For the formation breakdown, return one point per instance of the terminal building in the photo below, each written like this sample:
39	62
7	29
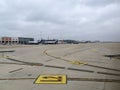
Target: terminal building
15	40
6	40
23	40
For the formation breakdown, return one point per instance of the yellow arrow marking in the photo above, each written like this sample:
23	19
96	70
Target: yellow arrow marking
51	79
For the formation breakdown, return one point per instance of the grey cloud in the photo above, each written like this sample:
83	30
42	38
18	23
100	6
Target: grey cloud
74	19
99	3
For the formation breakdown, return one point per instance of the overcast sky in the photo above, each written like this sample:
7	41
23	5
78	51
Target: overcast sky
61	19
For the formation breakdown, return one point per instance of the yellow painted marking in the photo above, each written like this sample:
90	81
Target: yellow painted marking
72	62
51	79
94	50
78	62
4	57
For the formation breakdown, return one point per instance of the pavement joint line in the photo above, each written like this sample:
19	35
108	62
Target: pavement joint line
55	66
102	67
12	63
16	70
117	56
5	51
83	70
27	63
80	63
108	73
74	69
93	79
40	64
70	79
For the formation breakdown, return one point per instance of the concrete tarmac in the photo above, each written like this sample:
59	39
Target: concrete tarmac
86	65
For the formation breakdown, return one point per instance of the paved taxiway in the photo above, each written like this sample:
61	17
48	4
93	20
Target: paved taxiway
85	65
